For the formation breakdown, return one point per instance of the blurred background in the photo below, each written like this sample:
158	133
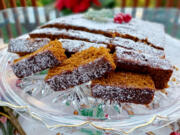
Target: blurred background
21	16
106	3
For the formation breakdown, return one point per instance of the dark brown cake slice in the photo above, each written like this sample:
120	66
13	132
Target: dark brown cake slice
48	56
136	29
80	68
25	44
124	87
159	69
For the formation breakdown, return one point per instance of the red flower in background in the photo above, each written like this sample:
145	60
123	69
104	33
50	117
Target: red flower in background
60	4
175	133
76	5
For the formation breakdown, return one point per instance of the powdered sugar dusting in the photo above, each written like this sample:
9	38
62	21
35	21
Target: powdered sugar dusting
25	44
137	46
73	46
96	38
71	34
142	59
24	36
137	28
81	74
122	94
33	64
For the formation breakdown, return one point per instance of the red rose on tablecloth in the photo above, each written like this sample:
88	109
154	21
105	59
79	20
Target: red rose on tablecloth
76	5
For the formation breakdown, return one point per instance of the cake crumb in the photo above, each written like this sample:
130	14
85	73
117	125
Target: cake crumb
130	112
164	91
76	112
167	86
148	106
162	57
150	133
176	68
174	79
84	106
139	51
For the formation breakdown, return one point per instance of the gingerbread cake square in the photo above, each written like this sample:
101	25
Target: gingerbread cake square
48	56
124	87
159	69
80	68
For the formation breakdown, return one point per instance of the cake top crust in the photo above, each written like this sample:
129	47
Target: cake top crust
78	34
126	80
141	59
26	44
137	46
143	30
99	39
82	58
55	47
78	45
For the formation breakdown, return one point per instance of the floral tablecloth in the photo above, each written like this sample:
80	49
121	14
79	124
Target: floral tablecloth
33	127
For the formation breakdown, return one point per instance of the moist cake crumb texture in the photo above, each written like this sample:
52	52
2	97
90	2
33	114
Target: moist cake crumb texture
81	67
159	69
48	56
124	87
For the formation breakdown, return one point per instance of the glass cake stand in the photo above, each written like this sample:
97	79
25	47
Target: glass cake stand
74	109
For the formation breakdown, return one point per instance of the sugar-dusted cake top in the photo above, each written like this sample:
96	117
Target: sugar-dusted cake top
55	47
137	46
76	36
142	30
142	59
48	56
73	46
70	34
124	87
126	80
25	44
82	58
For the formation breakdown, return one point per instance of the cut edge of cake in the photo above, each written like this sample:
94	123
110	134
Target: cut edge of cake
80	68
48	56
124	87
159	69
